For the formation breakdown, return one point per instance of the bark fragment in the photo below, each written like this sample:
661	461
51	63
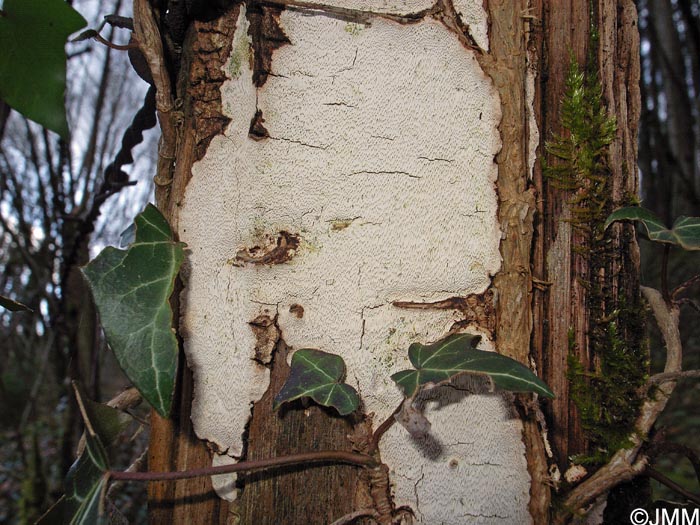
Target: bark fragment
282	251
266	336
257	128
267	35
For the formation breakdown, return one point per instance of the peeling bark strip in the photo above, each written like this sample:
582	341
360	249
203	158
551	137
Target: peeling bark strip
211	48
561	308
266	334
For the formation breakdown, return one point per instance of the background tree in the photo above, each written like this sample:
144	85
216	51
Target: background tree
669	166
52	193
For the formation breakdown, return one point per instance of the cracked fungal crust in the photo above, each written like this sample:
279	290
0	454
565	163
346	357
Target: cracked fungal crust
389	205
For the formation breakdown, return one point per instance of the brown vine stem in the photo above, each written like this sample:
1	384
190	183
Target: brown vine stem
675	487
381	429
336	456
147	34
684	286
628	463
112	45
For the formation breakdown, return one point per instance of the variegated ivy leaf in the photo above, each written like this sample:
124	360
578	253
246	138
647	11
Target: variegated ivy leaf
132	291
454	355
684	233
319	375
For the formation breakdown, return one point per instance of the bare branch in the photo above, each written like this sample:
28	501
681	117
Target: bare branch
684	286
667	376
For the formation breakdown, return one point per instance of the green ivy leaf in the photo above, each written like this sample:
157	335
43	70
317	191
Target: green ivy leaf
132	289
85	485
319	375
33	34
684	233
103	421
687	231
87	479
13	306
454	355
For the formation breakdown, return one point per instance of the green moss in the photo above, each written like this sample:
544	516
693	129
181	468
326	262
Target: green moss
607	398
581	150
606	391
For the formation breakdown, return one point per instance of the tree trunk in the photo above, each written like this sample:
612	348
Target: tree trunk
354	177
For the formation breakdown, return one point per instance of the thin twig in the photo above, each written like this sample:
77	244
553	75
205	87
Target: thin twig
38	381
658	476
668	447
684	286
134	467
335	456
693	304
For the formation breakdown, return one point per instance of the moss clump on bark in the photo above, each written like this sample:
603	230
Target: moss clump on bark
604	390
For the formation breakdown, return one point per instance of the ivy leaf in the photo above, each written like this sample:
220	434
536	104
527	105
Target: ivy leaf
319	375
454	355
33	61
94	446
101	420
85	486
687	231
132	289
684	233
13	306
86	481
107	422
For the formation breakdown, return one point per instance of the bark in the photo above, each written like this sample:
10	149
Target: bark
560	304
563	305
